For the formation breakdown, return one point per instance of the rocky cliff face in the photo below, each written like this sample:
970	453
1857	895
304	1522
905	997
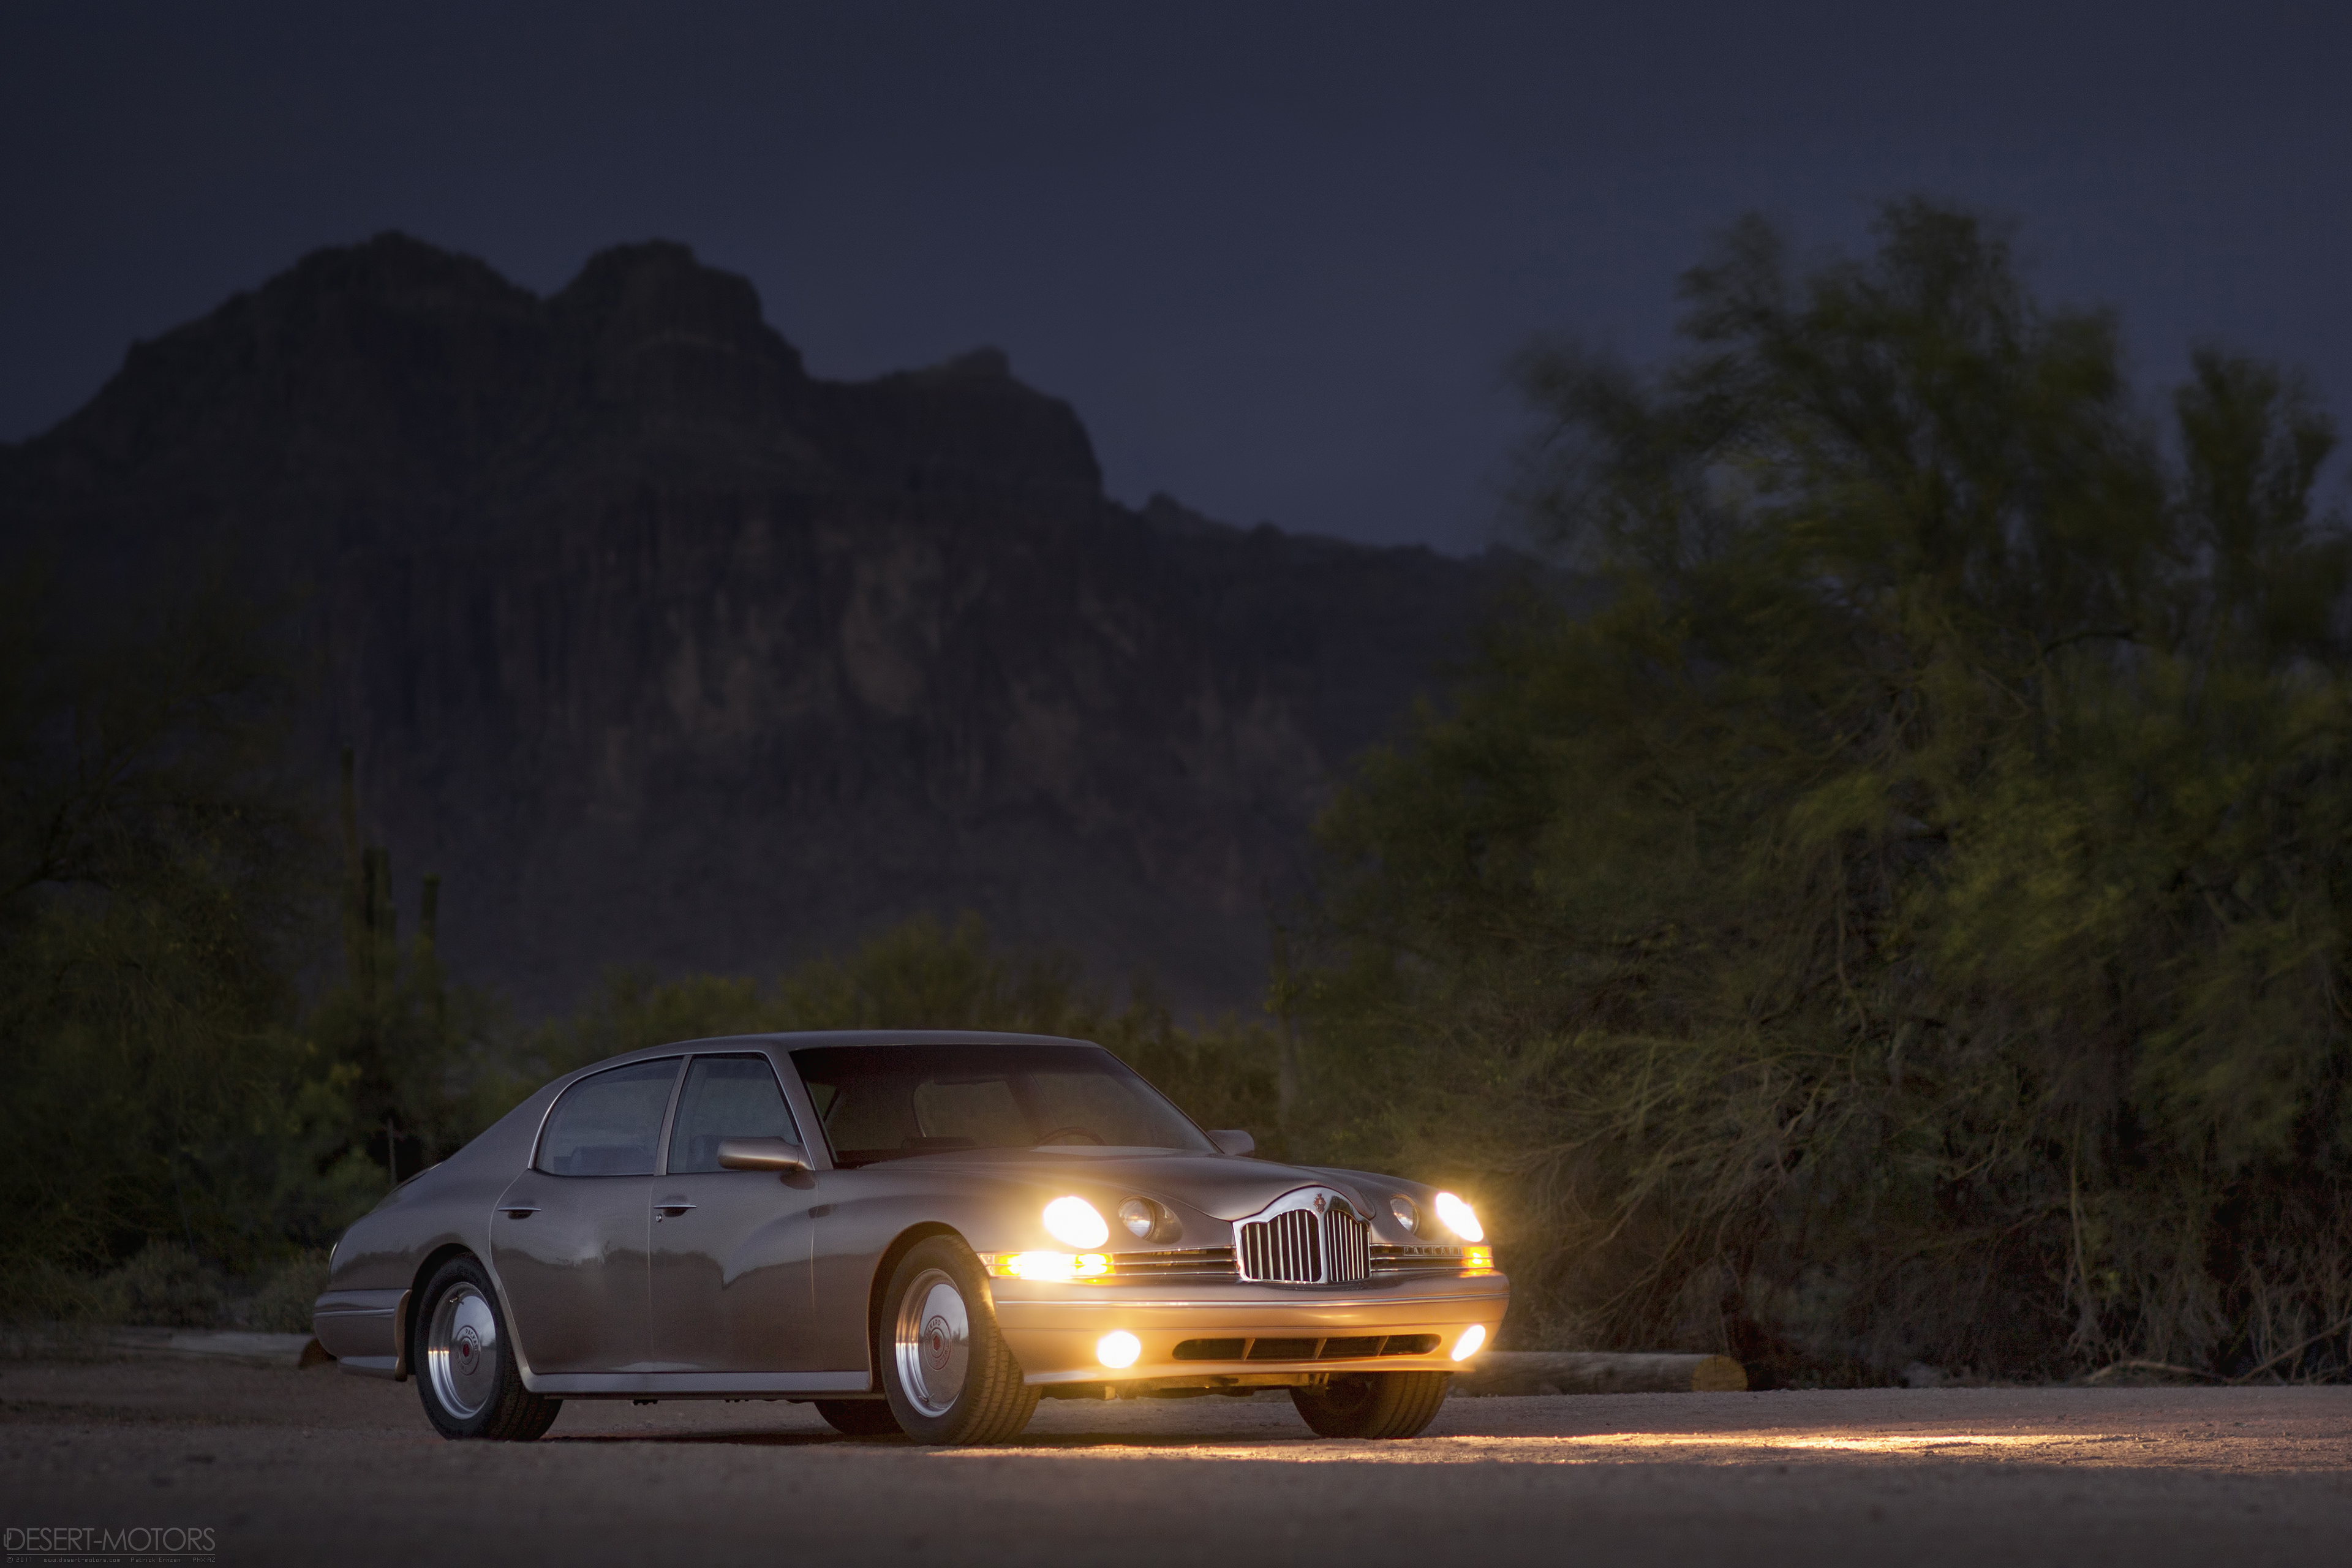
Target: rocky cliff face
664	652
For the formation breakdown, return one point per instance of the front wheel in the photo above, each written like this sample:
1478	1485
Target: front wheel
1372	1404
948	1374
465	1369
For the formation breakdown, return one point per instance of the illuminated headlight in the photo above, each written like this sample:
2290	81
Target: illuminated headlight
1048	1265
1406	1214
1459	1217
1117	1349
1073	1222
1467	1345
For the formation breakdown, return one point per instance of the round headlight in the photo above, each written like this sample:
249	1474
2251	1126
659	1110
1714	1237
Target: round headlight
1117	1349
1139	1217
1073	1222
1406	1215
1459	1217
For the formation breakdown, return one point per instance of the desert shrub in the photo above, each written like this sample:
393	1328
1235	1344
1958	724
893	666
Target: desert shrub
1908	922
163	1285
282	1299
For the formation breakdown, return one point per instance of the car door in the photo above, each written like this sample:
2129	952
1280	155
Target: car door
730	1249
568	1236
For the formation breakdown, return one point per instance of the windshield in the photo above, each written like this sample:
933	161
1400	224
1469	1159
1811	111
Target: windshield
885	1102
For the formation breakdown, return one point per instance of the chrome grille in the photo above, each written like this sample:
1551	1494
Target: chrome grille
1284	1248
1388	1259
1300	1247
1173	1264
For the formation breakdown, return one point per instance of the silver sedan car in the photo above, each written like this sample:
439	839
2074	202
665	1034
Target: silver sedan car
919	1232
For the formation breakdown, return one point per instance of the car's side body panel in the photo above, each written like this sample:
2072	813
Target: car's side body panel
730	1289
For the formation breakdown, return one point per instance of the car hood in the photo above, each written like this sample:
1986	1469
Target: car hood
1223	1187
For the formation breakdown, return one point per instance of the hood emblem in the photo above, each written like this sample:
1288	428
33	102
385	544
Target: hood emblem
1321	1202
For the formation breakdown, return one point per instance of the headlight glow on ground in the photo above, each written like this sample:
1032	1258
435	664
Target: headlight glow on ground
1467	1345
1459	1217
1074	1222
1117	1349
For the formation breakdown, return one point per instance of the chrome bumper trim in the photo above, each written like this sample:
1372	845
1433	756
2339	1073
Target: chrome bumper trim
1125	1301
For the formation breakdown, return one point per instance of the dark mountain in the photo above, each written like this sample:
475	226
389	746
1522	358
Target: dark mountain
664	652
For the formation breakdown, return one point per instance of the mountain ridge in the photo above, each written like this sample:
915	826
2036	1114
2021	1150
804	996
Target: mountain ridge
664	652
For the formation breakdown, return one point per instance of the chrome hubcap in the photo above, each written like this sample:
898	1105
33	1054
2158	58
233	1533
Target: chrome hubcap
461	1352
933	1343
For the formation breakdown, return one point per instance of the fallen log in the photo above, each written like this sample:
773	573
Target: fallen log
1599	1371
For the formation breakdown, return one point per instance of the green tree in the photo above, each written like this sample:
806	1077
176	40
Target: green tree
154	904
1907	920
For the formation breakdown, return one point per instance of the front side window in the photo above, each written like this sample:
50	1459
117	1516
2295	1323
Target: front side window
726	1096
609	1123
886	1102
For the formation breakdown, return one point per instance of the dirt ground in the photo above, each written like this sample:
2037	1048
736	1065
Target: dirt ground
287	1466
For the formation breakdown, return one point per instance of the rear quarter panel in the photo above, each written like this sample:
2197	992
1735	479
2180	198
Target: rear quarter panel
380	1257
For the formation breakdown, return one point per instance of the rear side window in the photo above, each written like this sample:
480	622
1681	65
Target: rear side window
726	1096
609	1123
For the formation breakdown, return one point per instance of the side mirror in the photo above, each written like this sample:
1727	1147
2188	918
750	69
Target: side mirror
1233	1141
761	1154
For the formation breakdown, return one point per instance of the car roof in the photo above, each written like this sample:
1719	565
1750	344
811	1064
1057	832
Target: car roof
830	1037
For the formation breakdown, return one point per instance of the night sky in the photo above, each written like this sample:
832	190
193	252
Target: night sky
1276	256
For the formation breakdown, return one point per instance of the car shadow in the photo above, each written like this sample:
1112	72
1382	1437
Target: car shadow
756	1439
1041	1441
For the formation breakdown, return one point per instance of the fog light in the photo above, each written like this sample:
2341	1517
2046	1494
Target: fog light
1117	1349
1467	1345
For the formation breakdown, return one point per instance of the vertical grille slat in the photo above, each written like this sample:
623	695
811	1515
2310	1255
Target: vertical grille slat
1351	1253
1300	1247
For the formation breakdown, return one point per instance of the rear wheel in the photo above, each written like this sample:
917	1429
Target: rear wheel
859	1417
948	1374
465	1364
1373	1403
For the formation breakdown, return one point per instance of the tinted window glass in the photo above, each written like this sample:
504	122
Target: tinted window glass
883	1102
609	1124
726	1096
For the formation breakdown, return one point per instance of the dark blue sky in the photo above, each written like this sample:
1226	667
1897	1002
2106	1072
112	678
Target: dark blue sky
1275	255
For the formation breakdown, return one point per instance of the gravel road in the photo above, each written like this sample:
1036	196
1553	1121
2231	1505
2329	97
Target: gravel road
287	1466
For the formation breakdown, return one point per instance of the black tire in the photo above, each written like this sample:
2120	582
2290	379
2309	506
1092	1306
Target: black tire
1373	1403
949	1383
859	1417
463	1358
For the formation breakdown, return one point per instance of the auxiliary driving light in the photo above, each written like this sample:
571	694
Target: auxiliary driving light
1463	1348
1074	1222
1117	1349
1459	1217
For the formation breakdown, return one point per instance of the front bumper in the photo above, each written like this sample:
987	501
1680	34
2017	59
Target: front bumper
1052	1329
